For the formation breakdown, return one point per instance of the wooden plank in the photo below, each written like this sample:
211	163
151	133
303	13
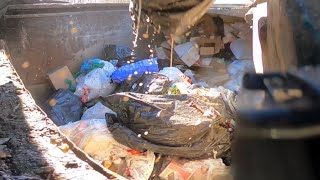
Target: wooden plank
281	46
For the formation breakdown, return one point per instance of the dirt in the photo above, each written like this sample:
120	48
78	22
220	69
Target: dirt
29	140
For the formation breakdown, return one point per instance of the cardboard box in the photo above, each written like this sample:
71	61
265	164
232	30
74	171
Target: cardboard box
209	47
175	171
207	51
59	76
188	53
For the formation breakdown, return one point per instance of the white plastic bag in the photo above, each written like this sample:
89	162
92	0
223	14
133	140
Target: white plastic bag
96	83
242	49
236	71
94	138
97	111
239	67
173	73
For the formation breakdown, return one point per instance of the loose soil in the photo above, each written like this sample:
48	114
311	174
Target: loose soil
29	141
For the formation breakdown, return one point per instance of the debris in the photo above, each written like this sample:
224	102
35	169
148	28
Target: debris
55	139
188	52
207	51
93	137
229	35
67	107
60	77
97	111
96	83
140	166
175	171
45	170
161	54
107	163
165	44
208	26
156	84
71	165
136	69
91	64
242	49
4	140
180	88
207	169
236	71
190	74
64	147
219	65
195	39
248	17
242	30
170	122
239	67
204	63
213	77
118	52
173	73
215	43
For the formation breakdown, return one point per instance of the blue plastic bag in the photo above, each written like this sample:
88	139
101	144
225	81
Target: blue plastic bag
89	65
136	69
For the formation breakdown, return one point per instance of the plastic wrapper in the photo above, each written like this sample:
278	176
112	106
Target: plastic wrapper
173	73
207	169
140	166
97	111
89	65
93	137
148	84
236	70
242	49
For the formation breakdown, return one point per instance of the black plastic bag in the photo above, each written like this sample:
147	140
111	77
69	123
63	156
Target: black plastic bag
156	84
63	107
170	125
117	52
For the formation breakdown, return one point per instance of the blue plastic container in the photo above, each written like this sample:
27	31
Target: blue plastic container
136	69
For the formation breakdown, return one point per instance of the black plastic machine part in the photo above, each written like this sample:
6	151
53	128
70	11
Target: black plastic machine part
278	140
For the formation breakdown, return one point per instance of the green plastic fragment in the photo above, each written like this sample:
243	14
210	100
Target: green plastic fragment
71	86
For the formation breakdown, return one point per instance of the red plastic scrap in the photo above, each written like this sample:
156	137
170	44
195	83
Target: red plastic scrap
133	152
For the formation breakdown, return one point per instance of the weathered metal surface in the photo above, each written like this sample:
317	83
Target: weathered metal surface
40	42
293	34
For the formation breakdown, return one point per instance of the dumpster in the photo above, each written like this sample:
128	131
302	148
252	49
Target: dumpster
44	35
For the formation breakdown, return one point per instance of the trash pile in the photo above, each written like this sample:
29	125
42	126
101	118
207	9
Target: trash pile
209	50
142	121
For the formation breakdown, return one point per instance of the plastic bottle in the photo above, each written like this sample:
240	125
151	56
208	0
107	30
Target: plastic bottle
136	69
